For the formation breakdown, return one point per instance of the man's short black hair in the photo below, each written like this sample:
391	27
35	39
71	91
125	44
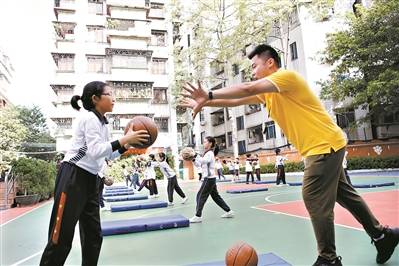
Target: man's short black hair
267	50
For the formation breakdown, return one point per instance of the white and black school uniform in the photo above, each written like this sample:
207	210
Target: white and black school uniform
76	196
237	169
149	179
280	169
257	169
219	169
208	187
173	185
248	170
199	171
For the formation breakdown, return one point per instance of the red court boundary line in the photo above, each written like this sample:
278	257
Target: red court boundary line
11	214
384	208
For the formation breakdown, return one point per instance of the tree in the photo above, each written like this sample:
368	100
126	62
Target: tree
38	139
12	133
366	60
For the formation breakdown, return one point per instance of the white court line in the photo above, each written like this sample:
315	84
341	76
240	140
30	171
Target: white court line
304	217
1	225
26	259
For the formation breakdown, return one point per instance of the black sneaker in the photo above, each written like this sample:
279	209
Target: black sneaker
325	262
386	246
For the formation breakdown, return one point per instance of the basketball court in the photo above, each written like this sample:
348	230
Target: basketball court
273	221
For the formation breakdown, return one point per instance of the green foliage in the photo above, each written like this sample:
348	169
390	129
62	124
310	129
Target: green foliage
373	162
35	176
12	133
365	58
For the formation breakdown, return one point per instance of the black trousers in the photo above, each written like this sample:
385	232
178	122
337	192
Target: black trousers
100	192
151	185
199	176
209	187
280	174
257	172
75	199
252	177
174	186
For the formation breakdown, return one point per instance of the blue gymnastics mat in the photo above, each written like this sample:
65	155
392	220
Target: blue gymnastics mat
125	198
268	259
387	184
143	224
115	187
139	206
117	193
266	182
246	190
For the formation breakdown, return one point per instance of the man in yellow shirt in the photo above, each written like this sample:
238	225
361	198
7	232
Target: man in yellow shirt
300	114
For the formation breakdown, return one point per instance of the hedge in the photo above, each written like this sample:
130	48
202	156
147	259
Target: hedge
353	164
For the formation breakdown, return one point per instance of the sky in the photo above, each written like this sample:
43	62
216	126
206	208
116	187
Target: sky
26	36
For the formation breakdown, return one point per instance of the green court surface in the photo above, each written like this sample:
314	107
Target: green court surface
286	235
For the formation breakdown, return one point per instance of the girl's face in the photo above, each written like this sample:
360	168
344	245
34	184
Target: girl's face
106	102
207	144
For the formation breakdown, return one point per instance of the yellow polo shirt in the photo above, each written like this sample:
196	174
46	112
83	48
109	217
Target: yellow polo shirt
301	116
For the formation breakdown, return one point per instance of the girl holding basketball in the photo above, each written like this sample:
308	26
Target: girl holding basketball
208	187
76	189
173	185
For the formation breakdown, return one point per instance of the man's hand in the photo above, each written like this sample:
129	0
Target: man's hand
197	97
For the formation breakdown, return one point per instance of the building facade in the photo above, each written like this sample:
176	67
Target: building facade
125	44
6	76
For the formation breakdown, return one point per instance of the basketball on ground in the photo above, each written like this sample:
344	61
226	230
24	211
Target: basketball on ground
241	254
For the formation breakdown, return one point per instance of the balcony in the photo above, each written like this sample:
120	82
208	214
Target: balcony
65	15
119	121
255	135
64	125
217	117
64	4
157	11
65	31
127	12
252	108
127	3
64	62
128	91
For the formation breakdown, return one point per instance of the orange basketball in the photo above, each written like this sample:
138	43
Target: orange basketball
241	254
143	123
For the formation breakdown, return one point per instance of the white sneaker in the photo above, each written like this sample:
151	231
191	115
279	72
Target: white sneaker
184	200
195	219
170	204
151	196
229	214
156	196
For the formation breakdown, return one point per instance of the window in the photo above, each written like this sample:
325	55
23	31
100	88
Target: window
217	117
158	38
228	113
270	130
160	95
294	52
236	69
188	40
252	108
162	124
95	34
345	119
120	24
221	141
95	63
255	135
159	65
230	139
241	147
202	116
95	7
129	61
202	137
157	10
64	62
240	123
